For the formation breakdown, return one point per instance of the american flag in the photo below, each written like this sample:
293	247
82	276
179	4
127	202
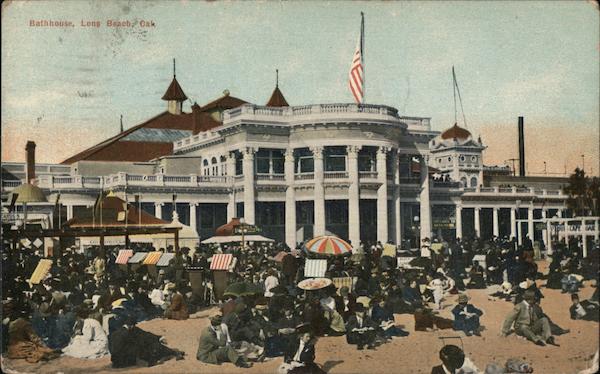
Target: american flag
357	76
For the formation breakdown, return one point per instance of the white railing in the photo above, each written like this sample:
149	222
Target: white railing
272	177
304	176
335	175
368	174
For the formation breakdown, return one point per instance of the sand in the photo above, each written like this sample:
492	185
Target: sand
416	353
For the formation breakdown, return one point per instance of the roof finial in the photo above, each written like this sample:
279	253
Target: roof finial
174	75
121	123
276	78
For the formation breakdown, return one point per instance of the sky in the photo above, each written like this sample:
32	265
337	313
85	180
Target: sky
65	88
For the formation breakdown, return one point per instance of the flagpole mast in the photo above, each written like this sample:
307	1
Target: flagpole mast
362	53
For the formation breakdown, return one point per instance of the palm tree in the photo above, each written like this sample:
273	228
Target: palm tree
584	193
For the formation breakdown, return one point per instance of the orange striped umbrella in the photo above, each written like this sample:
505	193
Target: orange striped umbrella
328	245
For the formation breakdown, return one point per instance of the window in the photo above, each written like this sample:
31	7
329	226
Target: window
462	158
439	160
304	161
473	158
463	181
449	159
473	181
238	164
367	160
269	161
335	159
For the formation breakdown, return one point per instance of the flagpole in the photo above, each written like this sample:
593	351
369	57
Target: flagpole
362	54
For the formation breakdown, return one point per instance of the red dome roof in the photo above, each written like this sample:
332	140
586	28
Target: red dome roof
456	132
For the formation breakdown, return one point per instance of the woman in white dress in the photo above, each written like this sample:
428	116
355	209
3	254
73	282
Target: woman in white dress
88	342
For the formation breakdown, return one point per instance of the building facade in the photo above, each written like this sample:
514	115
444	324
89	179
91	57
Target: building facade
362	172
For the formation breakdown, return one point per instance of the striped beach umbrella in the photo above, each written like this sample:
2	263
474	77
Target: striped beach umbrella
328	245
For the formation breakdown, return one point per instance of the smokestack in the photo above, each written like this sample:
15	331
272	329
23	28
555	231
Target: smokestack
521	148
30	166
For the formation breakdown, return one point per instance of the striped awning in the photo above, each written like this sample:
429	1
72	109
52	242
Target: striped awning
152	258
41	270
315	268
340	282
124	255
164	259
221	261
138	257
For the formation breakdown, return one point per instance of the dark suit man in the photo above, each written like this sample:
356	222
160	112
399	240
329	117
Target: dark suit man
213	347
452	358
360	329
301	356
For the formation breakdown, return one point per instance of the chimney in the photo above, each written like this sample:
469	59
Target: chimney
30	166
521	148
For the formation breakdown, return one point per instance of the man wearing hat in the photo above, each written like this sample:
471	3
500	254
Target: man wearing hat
528	323
213	347
466	316
360	329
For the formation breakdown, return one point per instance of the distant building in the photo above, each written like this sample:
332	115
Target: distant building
365	173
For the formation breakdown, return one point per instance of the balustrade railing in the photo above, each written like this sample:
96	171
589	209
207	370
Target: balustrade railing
273	177
335	174
304	176
368	174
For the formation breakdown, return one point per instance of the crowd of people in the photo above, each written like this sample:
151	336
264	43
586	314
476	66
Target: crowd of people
88	306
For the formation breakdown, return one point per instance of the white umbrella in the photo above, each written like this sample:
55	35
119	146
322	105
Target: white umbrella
236	238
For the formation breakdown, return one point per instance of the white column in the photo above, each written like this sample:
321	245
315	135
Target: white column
596	229
230	171
69	211
193	223
249	199
382	195
495	222
583	240
459	232
290	200
513	222
425	205
559	213
319	192
397	206
476	212
231	205
530	223
158	210
353	196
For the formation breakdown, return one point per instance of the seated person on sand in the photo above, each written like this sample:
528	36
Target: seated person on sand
360	329
300	356
177	309
336	322
284	336
384	318
466	316
583	310
89	340
214	346
23	343
131	346
527	323
454	362
476	276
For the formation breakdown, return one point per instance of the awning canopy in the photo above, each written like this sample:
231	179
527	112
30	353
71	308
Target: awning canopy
236	239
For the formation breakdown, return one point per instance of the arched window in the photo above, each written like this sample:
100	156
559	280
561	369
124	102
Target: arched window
473	181
205	162
463	181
